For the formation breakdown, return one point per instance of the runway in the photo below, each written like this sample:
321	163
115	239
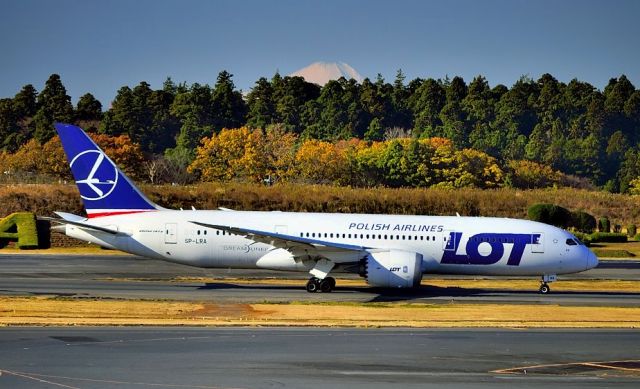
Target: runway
316	358
180	357
87	276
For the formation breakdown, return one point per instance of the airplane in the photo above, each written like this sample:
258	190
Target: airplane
389	251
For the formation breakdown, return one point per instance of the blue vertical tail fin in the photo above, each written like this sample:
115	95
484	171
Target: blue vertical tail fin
105	189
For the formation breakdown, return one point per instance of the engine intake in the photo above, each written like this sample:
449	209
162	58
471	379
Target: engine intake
393	269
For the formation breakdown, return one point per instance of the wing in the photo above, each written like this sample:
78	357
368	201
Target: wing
298	246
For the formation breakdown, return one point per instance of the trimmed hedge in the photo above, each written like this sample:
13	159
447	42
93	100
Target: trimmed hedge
585	238
604	225
20	227
608	237
550	214
583	221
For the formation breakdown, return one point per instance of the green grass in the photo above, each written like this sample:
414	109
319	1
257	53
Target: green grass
629	249
605	253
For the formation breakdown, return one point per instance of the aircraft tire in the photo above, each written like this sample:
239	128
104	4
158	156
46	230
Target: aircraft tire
544	289
313	285
326	285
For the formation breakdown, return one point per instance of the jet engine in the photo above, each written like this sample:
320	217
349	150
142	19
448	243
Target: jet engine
393	269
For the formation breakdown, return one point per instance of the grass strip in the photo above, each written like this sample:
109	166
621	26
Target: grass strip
39	311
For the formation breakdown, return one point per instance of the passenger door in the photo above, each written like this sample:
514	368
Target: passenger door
537	242
171	233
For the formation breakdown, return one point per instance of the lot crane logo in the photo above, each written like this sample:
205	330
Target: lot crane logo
101	174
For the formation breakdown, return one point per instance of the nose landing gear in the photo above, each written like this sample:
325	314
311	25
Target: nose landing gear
544	283
544	288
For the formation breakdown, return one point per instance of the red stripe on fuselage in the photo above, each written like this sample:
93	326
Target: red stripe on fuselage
113	213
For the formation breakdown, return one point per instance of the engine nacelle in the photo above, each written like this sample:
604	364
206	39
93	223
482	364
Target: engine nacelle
393	269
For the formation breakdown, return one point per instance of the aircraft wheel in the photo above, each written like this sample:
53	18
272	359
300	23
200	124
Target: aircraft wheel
326	285
332	281
544	289
313	285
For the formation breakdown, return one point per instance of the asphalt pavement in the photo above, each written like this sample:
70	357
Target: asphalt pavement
316	358
117	277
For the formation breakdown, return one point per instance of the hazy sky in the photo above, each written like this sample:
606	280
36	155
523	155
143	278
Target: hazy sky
99	46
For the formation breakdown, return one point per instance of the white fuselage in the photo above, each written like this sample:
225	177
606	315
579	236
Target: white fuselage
454	245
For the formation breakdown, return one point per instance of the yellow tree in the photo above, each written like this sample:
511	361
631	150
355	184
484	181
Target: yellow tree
279	153
365	158
442	161
231	154
477	169
55	160
28	158
529	174
319	161
217	155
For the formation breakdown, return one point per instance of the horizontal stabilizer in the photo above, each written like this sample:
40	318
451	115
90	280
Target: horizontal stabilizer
70	216
81	225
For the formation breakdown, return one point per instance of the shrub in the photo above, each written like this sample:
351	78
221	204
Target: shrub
631	230
604	225
585	238
617	228
583	221
550	214
608	237
20	227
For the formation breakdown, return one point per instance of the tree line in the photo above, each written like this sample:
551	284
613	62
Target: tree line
572	128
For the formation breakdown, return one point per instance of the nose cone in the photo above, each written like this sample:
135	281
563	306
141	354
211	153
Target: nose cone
592	260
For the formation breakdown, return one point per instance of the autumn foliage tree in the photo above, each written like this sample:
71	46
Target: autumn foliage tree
255	155
49	159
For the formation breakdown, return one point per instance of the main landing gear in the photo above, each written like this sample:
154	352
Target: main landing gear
317	285
544	283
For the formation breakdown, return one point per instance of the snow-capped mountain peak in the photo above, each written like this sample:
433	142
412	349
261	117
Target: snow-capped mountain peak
322	72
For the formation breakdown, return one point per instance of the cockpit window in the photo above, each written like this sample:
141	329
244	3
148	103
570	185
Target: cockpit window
571	242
